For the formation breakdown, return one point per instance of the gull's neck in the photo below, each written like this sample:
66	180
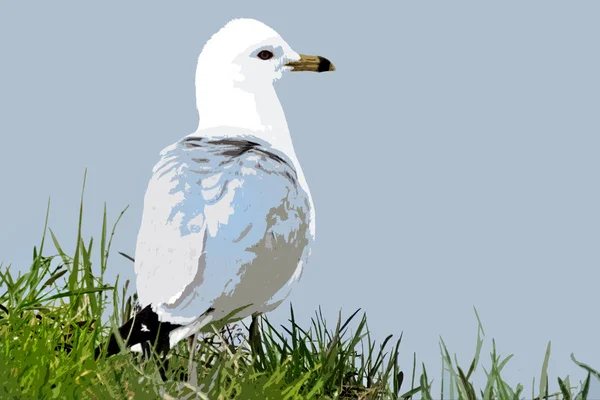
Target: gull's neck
232	107
253	109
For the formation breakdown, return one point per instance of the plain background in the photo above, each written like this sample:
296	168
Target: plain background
452	157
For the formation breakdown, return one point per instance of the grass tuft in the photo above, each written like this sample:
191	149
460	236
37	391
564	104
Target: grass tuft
51	320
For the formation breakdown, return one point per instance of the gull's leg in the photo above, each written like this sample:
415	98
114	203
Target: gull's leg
162	350
255	337
192	372
146	350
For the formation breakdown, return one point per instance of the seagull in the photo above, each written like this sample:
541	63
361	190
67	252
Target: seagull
228	219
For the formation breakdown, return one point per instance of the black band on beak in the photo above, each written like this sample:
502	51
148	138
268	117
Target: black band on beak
324	64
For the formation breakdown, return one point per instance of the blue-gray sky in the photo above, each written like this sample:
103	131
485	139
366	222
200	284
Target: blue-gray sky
452	157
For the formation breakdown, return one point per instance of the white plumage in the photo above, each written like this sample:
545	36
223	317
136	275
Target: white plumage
228	218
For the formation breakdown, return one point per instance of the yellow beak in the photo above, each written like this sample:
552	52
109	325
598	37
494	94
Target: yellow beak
311	63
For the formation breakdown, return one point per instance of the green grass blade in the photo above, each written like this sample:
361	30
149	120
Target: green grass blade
589	369
544	375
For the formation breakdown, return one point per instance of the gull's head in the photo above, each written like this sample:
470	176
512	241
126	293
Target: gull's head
235	75
247	53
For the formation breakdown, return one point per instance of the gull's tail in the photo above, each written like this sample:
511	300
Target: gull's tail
144	329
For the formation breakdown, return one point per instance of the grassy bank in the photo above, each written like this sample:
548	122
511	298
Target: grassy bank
51	320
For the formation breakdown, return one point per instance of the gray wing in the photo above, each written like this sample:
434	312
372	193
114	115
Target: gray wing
221	216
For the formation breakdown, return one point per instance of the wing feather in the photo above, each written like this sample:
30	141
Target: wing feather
214	207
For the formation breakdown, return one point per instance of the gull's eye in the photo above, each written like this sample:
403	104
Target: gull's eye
265	55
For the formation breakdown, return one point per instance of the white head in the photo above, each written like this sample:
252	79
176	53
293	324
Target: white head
236	71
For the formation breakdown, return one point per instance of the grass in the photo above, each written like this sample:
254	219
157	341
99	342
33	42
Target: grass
51	320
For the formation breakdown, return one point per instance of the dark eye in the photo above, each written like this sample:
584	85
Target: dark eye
265	55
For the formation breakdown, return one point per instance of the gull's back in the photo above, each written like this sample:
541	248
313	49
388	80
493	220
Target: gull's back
225	225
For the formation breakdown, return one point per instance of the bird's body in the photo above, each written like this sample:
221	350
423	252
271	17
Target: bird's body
226	225
228	219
